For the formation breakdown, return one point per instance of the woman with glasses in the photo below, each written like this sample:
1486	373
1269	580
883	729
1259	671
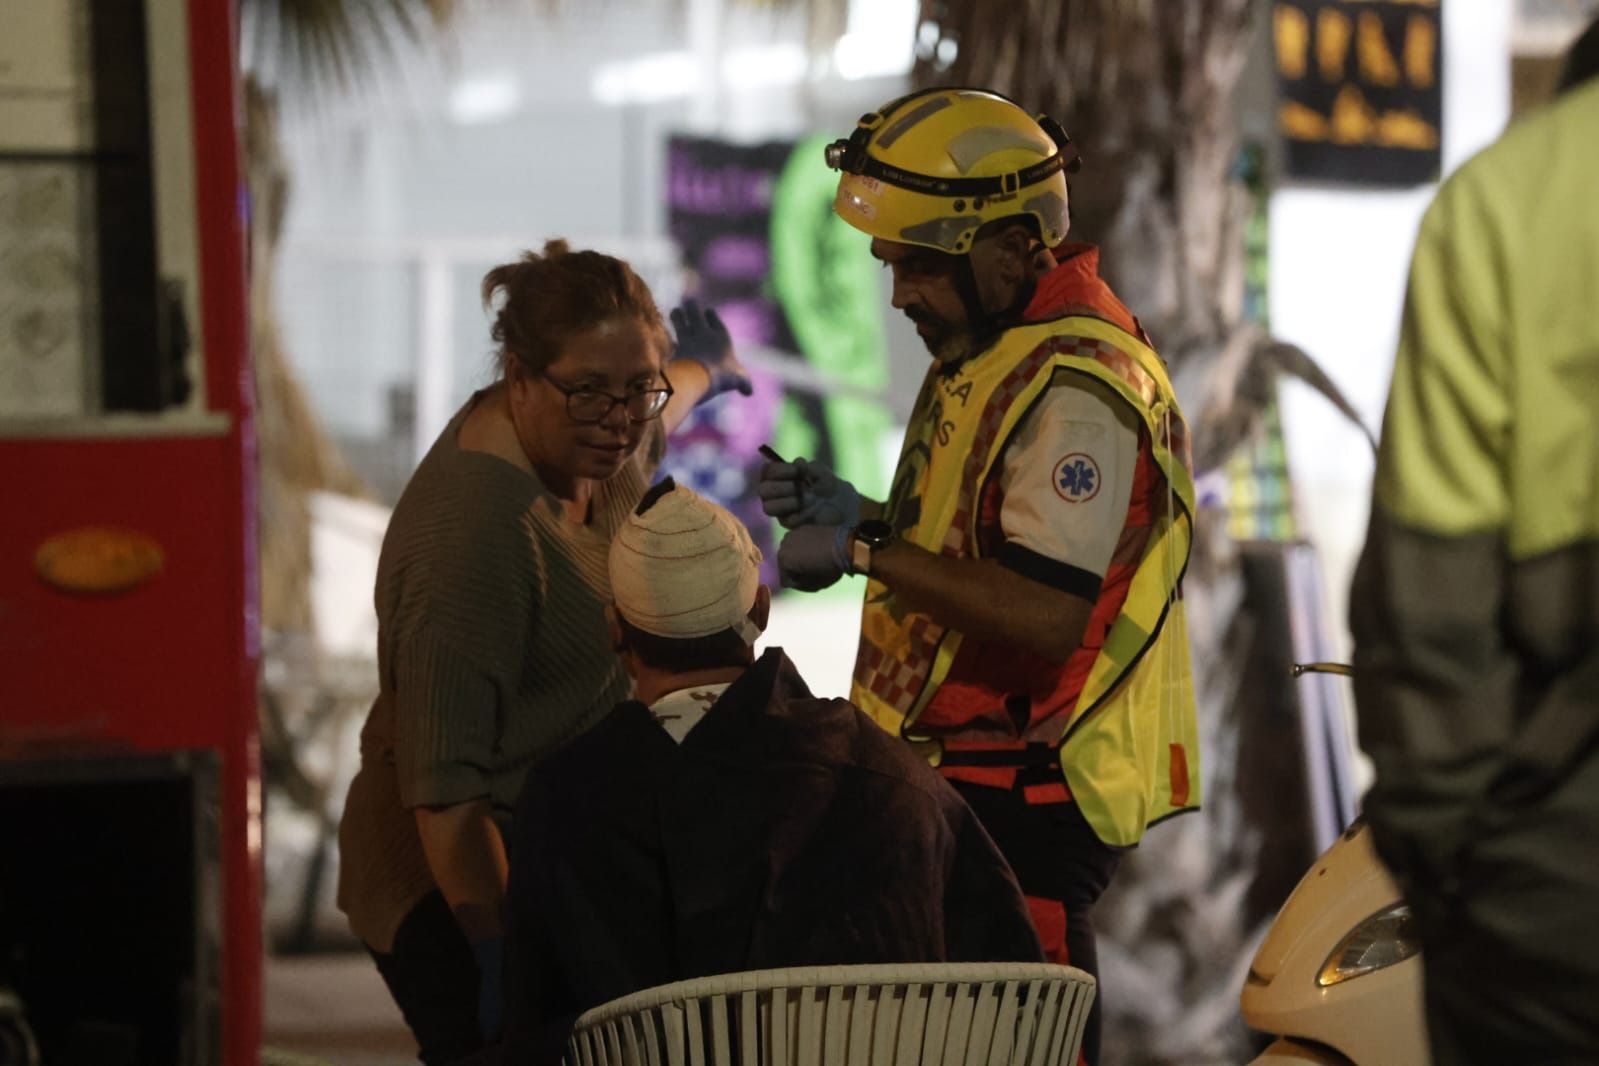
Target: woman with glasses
491	589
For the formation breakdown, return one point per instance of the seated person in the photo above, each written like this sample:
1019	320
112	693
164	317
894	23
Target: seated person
727	820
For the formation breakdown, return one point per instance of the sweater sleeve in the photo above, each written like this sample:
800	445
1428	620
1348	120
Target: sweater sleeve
461	641
446	710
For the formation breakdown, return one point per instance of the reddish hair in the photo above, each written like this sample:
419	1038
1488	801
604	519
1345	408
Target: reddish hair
546	299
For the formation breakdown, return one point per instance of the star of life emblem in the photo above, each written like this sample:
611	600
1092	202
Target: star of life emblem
1076	478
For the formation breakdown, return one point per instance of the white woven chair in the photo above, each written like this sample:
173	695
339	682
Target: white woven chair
918	1014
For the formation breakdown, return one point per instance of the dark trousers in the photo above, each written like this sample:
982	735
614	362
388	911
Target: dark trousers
1063	868
1512	959
433	977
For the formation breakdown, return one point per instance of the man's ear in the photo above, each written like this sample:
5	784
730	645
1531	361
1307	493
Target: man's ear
1017	243
1004	257
761	609
614	628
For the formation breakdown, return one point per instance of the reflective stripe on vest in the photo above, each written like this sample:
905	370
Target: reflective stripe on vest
1130	750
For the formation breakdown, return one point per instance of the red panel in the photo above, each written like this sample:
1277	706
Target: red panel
156	667
223	218
171	664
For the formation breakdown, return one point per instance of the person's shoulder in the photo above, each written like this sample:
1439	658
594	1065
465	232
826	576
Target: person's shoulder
594	758
485	429
1083	393
1528	156
627	727
1074	398
1564	123
876	749
462	500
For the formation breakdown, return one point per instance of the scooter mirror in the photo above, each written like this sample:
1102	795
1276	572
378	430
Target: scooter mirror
1341	669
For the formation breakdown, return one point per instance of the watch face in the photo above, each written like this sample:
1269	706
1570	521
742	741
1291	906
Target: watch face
874	532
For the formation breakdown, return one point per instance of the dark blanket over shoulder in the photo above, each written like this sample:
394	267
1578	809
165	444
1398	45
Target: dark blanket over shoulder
786	830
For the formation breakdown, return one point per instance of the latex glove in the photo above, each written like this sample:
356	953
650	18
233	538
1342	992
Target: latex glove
703	339
813	557
807	494
490	955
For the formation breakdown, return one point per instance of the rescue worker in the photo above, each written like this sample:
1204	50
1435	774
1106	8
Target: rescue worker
1023	623
1475	607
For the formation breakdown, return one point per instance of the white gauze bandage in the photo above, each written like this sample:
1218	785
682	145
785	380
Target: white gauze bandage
684	567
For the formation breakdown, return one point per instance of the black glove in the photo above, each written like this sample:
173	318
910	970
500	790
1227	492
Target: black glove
701	338
803	494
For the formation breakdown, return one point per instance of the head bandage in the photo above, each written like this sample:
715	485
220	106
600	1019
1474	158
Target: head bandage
683	567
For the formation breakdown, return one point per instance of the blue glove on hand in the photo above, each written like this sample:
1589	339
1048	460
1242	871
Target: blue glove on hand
703	339
807	494
813	557
490	955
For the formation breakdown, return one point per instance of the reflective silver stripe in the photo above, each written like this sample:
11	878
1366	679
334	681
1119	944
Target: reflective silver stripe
915	115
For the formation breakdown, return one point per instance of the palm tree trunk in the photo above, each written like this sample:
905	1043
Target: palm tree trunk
297	456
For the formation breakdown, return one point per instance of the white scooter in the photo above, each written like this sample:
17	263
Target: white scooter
1338	977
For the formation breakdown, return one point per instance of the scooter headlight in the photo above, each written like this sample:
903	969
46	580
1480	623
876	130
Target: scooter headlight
1386	938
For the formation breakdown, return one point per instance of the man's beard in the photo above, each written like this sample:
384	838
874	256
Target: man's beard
951	349
949	344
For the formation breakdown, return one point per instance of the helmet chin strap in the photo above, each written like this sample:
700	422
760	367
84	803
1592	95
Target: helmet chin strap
982	324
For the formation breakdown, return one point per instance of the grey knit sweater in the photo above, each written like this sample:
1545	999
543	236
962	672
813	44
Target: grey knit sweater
492	652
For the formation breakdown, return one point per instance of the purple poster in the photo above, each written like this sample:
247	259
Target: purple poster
719	199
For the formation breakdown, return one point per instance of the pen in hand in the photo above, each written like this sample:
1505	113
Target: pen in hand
771	453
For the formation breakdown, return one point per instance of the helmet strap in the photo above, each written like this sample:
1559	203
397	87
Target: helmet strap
983	324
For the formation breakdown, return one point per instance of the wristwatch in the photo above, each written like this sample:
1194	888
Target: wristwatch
864	539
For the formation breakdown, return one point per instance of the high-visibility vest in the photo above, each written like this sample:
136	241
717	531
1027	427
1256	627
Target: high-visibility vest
1129	750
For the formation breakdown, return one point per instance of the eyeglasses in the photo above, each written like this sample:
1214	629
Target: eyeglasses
587	405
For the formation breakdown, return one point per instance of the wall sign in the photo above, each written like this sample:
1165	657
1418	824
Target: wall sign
1361	97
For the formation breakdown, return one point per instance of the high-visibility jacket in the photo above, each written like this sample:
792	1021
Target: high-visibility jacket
1475	604
1126	741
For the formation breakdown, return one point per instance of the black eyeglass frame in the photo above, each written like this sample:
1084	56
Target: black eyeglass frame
571	391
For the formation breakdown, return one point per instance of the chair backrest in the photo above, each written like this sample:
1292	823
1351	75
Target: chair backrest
916	1014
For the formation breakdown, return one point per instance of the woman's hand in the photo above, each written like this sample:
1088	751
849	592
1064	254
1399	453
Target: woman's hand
704	340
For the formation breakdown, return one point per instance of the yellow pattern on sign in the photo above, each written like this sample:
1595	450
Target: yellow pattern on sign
1354	121
1340	36
1377	63
1302	123
1292	30
1332	44
1421	51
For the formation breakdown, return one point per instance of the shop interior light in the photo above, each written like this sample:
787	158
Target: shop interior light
879	41
763	65
486	98
645	79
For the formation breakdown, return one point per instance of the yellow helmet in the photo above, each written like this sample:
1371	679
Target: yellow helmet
932	167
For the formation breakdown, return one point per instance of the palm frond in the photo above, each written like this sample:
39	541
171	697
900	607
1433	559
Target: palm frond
312	47
1241	384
